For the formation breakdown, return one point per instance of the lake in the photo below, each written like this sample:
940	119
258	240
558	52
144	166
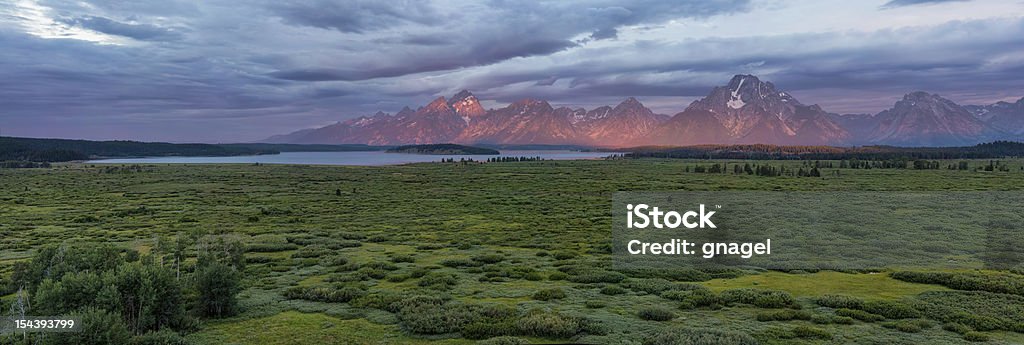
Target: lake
353	158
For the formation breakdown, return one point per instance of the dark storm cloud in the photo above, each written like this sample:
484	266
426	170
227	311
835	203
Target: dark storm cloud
143	32
604	33
356	16
429	61
900	3
222	70
547	81
416	40
163	8
478	35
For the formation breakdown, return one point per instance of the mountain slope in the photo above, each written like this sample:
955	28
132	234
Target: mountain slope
748	110
437	122
621	125
923	119
466	106
523	122
1004	116
858	125
693	127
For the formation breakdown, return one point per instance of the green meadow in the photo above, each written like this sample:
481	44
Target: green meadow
495	253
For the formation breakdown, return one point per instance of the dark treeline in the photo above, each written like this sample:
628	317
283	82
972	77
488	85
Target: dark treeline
462	160
814	168
514	159
922	164
443	149
22	165
756	169
63	150
997	149
268	147
122	169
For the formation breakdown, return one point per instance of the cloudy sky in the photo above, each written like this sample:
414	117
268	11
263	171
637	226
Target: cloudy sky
228	71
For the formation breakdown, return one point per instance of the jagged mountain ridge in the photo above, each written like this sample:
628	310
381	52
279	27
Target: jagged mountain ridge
749	111
522	122
525	121
745	111
927	119
1004	116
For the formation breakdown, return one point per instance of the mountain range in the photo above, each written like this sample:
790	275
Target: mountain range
745	111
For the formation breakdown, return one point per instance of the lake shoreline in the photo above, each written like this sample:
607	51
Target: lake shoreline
348	158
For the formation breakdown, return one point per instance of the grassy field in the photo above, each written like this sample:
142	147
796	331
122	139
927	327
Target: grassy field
522	245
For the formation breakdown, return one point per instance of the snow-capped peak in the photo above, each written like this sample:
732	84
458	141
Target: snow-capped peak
736	101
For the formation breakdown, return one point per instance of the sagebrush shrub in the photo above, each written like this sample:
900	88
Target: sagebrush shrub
698	336
549	294
656	314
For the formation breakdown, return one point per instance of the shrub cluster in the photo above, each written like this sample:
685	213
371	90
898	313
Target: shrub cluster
327	240
784	315
676	336
564	255
807	332
612	290
909	326
696	299
269	247
332	294
650	286
439	280
313	251
656	314
892	309
549	294
680	274
488	259
979	310
859	315
839	301
976	336
433	315
798	332
859	309
596	276
458	263
991	282
762	298
503	340
400	258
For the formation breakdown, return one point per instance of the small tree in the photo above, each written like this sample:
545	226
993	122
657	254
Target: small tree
98	327
227	249
218	284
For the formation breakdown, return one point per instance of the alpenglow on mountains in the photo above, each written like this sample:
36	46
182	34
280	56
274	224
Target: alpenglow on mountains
745	111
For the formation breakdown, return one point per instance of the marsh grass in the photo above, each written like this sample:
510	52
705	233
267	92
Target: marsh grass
440	254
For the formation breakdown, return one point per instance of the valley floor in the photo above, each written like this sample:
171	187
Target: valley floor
523	244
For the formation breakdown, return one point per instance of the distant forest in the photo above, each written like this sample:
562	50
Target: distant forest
443	149
997	149
63	150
